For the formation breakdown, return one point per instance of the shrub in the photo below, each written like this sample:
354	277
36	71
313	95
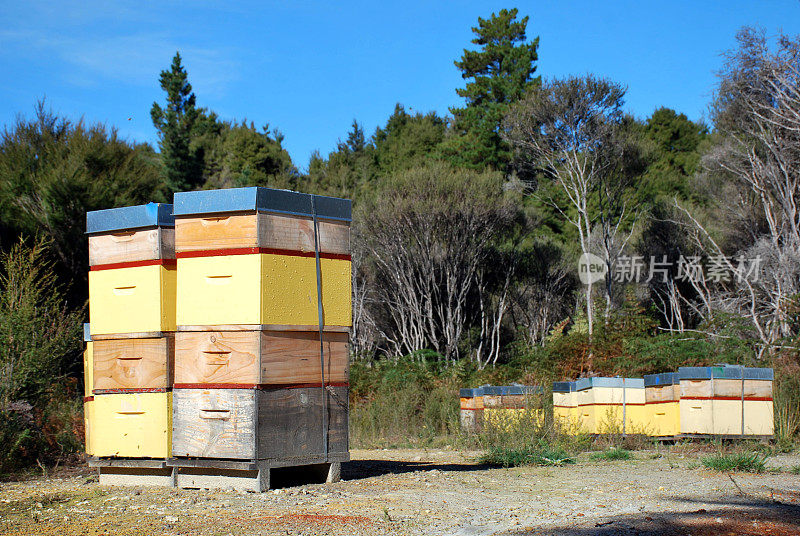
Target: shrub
750	462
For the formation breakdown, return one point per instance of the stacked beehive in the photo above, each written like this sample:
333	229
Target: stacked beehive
132	324
508	406
611	405
726	400
263	313
662	402
471	401
565	406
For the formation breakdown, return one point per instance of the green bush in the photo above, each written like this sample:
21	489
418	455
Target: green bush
748	462
39	343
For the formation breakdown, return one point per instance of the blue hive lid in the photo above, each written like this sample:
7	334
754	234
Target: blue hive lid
87	337
513	390
470	392
664	378
257	198
563	387
134	217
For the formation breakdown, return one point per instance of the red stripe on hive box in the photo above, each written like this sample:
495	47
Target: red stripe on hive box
734	398
263	386
252	251
88	398
609	404
167	263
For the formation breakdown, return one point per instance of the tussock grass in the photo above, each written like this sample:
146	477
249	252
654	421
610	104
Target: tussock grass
744	462
612	454
545	455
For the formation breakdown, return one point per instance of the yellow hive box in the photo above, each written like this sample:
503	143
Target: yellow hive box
512	418
262	289
139	299
88	370
88	422
565	406
612	405
137	425
662	395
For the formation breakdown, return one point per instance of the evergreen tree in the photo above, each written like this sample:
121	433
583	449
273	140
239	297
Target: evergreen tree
183	164
501	71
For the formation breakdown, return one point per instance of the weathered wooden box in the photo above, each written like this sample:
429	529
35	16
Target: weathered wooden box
136	234
263	358
662	398
133	364
132	277
471	409
247	257
256	424
135	425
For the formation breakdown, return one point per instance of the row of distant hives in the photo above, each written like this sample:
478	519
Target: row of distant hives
720	401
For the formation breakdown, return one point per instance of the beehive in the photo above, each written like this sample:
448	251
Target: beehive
726	400
132	270
565	406
511	406
247	257
662	397
471	401
263	314
612	405
132	319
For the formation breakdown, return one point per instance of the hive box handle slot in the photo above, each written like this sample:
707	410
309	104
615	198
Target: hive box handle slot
222	414
130	412
217	357
124	291
123	236
221	220
219	279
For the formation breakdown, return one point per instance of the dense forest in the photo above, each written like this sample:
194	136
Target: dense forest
468	227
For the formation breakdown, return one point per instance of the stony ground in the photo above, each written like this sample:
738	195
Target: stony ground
430	492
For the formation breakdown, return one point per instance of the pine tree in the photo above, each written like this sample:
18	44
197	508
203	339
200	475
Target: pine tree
176	124
501	71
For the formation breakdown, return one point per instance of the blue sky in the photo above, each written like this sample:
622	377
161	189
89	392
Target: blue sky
310	68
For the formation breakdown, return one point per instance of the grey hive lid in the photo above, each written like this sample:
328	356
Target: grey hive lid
664	378
133	217
563	387
726	372
259	199
470	392
628	383
512	390
87	337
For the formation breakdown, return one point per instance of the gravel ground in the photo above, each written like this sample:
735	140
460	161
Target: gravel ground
429	492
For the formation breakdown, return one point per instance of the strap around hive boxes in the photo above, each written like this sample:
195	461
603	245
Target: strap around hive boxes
321	325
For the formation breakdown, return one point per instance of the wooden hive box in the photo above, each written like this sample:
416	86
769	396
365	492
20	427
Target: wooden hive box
132	277
662	396
240	249
565	406
471	414
135	425
726	400
133	365
263	358
261	424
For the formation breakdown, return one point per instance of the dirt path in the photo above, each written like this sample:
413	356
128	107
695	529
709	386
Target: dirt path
429	492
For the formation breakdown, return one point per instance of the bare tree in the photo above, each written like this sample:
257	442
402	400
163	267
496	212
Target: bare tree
568	131
427	238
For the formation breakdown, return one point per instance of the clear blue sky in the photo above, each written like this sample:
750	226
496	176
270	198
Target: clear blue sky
309	68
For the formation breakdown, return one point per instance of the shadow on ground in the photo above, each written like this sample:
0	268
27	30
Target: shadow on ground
359	469
740	517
